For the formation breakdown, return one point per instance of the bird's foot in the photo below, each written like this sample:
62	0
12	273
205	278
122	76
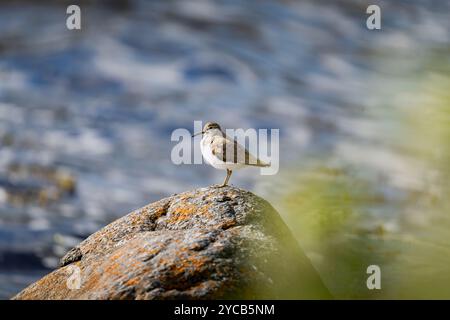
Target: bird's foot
219	185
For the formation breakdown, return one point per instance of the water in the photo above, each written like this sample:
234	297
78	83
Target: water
86	116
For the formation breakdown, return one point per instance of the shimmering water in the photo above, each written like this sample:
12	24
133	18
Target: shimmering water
86	116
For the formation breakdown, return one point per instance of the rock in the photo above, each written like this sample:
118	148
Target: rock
209	243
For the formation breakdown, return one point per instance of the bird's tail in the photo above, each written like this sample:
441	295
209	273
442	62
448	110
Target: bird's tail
260	163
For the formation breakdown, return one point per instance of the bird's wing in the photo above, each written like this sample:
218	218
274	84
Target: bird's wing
228	150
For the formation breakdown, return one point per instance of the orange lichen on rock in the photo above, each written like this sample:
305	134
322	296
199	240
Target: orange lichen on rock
202	244
182	213
132	282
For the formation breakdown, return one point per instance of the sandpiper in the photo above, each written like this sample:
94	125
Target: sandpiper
222	152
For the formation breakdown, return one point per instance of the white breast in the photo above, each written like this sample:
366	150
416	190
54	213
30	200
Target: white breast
210	158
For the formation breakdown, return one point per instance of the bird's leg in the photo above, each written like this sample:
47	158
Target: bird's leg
227	178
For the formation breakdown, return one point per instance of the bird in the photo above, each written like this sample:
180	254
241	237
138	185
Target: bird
222	152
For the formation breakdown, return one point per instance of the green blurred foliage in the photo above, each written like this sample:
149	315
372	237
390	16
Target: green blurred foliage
330	210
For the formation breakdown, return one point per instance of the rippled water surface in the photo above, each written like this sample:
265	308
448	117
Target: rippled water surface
86	116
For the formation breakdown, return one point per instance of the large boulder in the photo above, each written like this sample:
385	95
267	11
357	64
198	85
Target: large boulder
208	243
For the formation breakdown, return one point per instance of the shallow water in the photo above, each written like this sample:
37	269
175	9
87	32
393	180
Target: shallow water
86	116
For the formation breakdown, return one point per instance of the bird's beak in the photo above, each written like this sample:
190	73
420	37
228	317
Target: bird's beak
196	134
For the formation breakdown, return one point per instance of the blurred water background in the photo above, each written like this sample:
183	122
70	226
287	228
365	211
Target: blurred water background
86	118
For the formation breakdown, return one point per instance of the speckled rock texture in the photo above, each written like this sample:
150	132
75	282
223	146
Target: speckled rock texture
209	243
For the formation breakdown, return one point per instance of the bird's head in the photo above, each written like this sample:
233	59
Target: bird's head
209	126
